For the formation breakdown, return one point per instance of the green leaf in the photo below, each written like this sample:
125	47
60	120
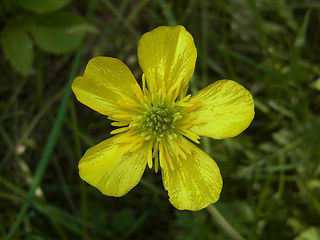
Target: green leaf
53	32
18	47
311	233
84	28
42	6
316	84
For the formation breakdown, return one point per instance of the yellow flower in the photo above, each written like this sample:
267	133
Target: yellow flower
157	119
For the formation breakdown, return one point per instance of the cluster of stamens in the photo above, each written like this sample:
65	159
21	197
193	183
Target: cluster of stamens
158	118
158	121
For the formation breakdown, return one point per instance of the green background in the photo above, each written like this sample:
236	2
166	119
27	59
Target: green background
271	171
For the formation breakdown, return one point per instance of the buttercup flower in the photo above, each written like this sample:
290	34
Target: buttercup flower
158	120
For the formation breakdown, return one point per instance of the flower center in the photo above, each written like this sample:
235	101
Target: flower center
159	120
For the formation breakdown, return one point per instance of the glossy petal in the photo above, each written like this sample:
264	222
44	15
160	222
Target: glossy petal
167	55
195	181
226	109
106	81
112	168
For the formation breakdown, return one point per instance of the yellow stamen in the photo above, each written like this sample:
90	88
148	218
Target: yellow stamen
185	125
182	101
121	117
155	99
191	135
128	105
162	89
168	157
184	90
183	147
137	91
131	137
156	162
143	83
119	124
119	130
149	156
128	99
155	149
175	147
163	163
136	146
184	104
181	152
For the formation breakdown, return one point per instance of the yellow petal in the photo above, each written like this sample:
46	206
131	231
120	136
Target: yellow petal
106	82
194	182
112	167
167	55
226	109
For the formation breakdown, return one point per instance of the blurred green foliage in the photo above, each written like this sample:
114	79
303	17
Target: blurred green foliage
271	171
53	32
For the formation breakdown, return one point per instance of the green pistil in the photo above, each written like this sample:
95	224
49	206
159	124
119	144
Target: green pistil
159	121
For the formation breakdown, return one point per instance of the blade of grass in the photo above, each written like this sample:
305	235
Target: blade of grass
46	107
155	189
292	6
70	222
53	136
122	11
168	14
299	43
40	206
189	10
54	213
137	223
10	146
119	15
52	140
137	8
282	175
204	41
225	49
219	218
83	199
251	62
226	226
259	22
85	138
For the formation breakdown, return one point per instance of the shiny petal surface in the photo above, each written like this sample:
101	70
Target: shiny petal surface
167	55
106	81
112	168
195	181
226	109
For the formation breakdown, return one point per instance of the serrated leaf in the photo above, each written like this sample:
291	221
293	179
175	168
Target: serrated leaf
18	47
51	32
42	6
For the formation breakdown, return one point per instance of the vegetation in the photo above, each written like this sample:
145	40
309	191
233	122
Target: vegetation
271	171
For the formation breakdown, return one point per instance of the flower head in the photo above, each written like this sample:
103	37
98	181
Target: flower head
157	121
